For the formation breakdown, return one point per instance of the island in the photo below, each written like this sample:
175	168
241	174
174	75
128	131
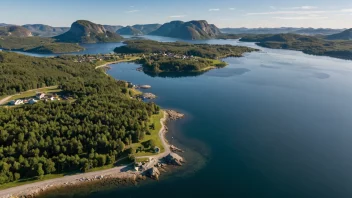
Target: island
82	122
313	45
161	57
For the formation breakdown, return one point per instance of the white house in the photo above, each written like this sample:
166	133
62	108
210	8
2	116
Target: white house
40	96
16	102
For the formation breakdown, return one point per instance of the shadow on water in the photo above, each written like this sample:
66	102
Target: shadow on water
174	74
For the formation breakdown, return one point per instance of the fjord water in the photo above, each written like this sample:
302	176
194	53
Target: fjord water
275	123
272	124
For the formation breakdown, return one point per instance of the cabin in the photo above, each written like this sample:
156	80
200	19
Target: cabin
32	101
40	96
16	102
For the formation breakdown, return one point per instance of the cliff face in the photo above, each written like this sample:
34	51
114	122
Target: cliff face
129	30
87	32
45	30
16	31
345	35
192	30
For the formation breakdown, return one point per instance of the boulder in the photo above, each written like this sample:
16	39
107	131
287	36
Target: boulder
174	159
153	173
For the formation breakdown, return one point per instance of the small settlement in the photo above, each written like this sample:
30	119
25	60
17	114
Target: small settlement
38	97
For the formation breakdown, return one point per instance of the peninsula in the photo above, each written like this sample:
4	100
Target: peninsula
159	57
94	122
307	44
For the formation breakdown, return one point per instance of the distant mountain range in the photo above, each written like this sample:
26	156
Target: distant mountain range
147	28
129	30
281	30
139	29
16	31
345	35
192	30
83	31
45	30
112	28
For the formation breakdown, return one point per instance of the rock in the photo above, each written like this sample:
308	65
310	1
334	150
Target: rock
174	115
149	96
145	86
174	159
175	149
153	173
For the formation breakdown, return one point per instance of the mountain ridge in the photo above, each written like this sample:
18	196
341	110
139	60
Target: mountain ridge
83	31
191	30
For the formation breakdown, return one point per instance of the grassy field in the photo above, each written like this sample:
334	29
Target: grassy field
154	136
29	181
135	92
142	159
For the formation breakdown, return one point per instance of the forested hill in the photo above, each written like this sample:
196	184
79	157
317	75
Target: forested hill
65	136
307	44
83	31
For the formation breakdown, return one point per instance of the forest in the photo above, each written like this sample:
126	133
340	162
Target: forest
181	48
66	136
307	44
39	45
160	64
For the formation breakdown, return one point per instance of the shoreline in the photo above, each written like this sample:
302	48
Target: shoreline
120	172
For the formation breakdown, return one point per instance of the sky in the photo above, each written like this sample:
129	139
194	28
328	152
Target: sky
222	13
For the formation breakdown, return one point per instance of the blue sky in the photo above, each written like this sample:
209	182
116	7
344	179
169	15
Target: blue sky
223	13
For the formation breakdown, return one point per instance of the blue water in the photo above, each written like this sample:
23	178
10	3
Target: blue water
271	124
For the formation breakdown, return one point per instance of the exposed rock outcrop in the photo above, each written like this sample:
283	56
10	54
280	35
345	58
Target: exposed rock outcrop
174	115
87	32
153	173
174	159
192	30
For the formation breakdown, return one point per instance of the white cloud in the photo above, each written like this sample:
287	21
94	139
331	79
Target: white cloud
346	10
214	9
132	11
303	8
177	16
297	12
232	8
301	17
272	7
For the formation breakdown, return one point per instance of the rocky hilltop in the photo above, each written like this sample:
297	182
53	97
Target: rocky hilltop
87	32
345	35
45	30
192	30
129	30
16	31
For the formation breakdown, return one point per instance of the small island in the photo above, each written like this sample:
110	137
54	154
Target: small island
159	57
